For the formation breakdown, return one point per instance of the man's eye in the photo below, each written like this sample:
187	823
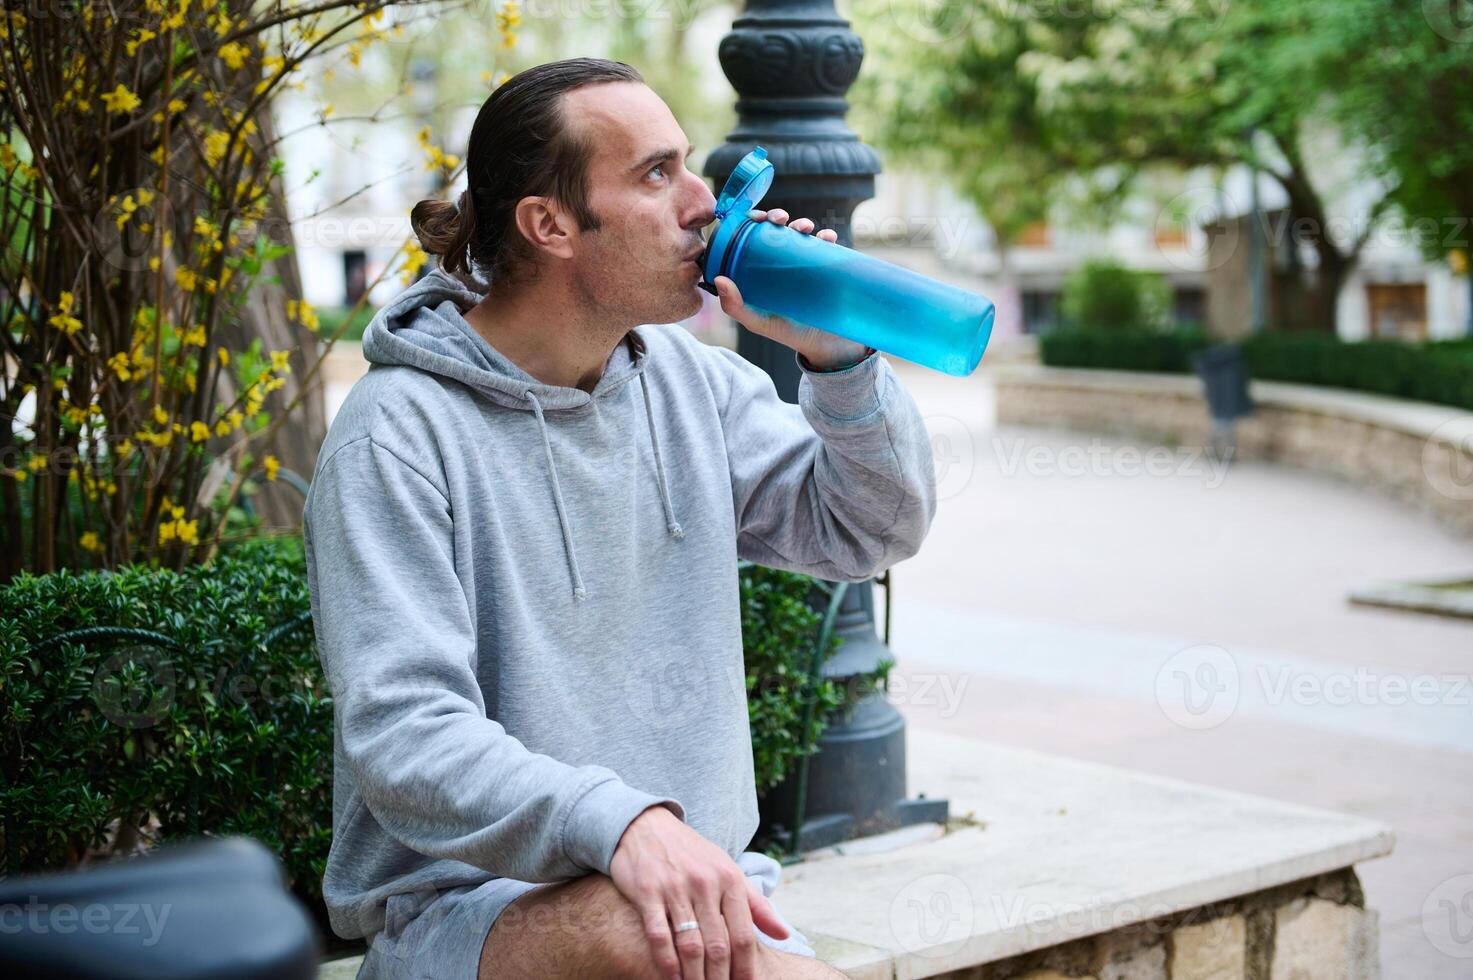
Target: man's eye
658	166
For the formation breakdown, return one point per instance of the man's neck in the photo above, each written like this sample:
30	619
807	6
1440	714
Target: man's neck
544	329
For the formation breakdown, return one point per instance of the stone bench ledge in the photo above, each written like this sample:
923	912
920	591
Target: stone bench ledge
1066	849
1416	452
1421	419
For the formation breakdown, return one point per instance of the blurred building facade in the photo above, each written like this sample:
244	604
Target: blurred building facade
1392	292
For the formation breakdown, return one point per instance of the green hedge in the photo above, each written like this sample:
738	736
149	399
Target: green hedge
1440	372
1120	349
212	717
330	319
781	619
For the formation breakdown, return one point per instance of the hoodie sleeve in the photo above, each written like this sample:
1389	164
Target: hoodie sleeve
840	486
397	643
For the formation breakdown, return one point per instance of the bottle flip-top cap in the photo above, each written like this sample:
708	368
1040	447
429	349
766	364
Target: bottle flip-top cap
749	181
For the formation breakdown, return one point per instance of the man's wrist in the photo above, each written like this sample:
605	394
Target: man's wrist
829	364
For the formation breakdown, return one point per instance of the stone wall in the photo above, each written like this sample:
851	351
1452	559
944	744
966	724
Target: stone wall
1419	453
1318	929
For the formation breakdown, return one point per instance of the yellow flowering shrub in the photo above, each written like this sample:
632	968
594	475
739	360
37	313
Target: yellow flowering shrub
137	200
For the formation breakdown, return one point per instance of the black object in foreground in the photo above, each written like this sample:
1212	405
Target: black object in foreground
211	908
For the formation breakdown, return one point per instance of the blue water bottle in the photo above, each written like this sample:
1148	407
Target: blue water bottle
837	289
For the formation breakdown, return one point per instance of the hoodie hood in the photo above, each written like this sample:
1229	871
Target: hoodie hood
424	327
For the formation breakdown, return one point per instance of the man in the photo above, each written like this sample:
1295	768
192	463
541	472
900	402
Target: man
522	543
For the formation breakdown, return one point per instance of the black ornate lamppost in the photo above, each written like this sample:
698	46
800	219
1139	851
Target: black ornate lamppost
791	62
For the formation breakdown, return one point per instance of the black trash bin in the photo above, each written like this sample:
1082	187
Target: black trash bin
211	908
1224	374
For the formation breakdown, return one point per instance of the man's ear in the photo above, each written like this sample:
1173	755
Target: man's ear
545	226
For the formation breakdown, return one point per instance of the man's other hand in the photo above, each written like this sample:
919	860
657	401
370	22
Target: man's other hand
672	874
823	350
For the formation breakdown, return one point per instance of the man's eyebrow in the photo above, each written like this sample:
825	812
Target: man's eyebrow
659	156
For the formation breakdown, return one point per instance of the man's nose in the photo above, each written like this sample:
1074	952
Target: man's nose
705	206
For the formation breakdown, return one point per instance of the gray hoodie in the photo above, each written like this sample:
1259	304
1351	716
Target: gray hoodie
526	599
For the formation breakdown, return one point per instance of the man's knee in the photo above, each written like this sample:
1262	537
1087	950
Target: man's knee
616	945
575	930
776	964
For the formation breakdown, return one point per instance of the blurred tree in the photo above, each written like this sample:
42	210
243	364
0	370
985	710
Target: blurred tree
1039	93
922	113
1403	83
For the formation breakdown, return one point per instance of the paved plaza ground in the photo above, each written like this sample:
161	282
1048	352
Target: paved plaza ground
1141	607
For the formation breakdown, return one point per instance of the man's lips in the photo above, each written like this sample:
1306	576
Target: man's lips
693	260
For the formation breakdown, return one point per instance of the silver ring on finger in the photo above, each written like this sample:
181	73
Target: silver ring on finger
687	926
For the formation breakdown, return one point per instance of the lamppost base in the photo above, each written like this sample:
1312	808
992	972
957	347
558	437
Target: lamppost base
825	830
856	779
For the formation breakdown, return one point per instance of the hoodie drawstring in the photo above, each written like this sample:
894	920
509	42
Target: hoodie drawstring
671	524
579	593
